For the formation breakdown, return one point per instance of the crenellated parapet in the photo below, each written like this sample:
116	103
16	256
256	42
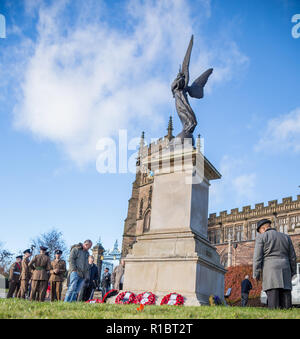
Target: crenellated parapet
240	225
260	210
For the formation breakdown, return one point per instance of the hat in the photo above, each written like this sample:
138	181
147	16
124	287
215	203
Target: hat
27	251
262	222
19	257
58	252
43	248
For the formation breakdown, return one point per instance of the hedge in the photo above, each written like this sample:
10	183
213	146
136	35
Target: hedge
234	277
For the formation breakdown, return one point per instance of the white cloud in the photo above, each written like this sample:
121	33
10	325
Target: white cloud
32	6
87	78
244	185
281	134
237	185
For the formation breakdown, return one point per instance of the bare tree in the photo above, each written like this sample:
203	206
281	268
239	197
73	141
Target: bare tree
53	240
5	260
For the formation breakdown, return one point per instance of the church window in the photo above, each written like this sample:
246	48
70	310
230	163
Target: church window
147	221
253	230
238	233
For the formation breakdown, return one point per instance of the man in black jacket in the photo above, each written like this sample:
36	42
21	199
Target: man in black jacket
92	283
246	286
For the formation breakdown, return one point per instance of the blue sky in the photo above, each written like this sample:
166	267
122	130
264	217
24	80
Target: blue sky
72	73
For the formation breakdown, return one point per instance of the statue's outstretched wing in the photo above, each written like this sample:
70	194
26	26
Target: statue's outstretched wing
186	61
196	90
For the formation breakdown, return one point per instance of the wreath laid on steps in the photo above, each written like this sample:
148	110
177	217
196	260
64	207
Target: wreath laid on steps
125	298
172	299
145	298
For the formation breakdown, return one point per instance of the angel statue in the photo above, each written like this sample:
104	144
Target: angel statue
180	89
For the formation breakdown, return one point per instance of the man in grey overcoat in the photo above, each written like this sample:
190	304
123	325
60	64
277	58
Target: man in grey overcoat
274	261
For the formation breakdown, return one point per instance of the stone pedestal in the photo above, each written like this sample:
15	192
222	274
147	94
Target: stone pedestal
2	287
175	254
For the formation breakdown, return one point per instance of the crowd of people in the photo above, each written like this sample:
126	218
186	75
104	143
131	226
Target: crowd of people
274	263
36	278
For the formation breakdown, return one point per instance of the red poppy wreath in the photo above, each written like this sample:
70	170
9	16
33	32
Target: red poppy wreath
145	298
125	298
172	299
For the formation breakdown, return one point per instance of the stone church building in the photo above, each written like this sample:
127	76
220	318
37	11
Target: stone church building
234	233
139	209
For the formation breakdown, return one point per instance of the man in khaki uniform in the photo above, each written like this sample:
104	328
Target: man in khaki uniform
14	277
25	275
40	264
57	275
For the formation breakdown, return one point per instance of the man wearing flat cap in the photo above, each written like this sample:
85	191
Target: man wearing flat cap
14	277
274	262
57	275
25	274
40	265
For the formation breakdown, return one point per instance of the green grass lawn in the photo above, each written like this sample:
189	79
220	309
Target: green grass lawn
23	309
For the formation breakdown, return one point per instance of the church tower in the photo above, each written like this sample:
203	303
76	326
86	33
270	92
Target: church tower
139	205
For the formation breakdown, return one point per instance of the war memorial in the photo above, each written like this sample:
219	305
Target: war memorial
165	241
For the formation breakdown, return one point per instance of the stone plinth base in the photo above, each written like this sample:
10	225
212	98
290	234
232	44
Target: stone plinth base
159	266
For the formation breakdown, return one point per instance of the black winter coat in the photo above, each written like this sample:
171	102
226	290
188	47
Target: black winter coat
94	275
246	286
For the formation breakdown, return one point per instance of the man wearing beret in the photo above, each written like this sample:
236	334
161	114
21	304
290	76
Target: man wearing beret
274	262
40	265
57	276
25	275
14	277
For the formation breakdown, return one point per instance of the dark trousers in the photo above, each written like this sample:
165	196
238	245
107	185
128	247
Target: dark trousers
279	298
87	292
13	289
105	289
244	299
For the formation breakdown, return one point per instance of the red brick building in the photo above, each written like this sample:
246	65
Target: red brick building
234	233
